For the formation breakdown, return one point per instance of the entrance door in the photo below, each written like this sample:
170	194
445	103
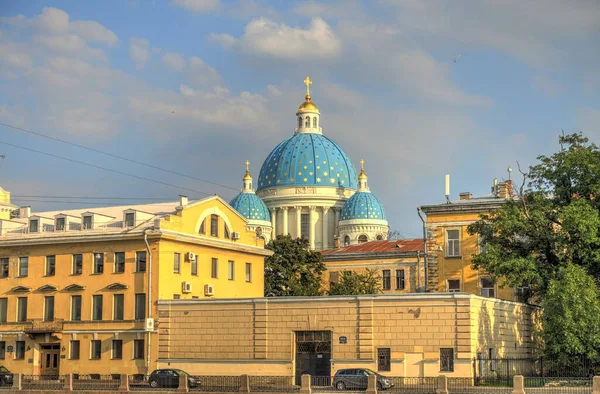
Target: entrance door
313	355
49	359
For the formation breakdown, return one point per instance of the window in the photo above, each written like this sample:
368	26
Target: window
481	245
96	349
226	232
3	309
117	349
98	263
194	267
362	239
140	306
453	285
87	222
230	270
299	121
379	237
2	350
140	261
346	240
304	225
203	227
399	279
386	280
22	309
120	262
248	272
176	296
97	307
76	308
523	294
118	306
4	267
315	122
452	243
20	351
214	268
49	308
138	349
383	359
50	265
487	288
177	263
77	264
60	224
129	219
214	225
33	226
23	266
307	122
446	360
74	350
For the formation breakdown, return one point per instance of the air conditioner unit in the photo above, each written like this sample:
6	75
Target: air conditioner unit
235	235
149	324
209	290
191	256
186	287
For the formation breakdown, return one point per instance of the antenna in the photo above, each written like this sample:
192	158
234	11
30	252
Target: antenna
509	170
447	189
495	188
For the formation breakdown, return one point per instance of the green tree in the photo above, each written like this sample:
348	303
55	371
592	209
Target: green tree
570	316
293	269
352	283
554	222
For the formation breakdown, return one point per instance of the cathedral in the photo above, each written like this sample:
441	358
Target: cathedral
308	187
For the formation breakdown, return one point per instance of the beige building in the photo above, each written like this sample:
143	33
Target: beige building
410	335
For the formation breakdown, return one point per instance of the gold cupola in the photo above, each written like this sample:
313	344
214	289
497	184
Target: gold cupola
308	115
307	105
362	178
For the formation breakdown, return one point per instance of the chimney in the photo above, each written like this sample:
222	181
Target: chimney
505	189
466	195
25	212
183	200
510	188
336	242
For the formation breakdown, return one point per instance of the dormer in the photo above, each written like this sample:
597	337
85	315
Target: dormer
64	222
40	224
7	226
132	217
91	220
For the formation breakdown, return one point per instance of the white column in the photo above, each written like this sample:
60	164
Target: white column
285	230
274	221
337	219
311	228
325	228
298	222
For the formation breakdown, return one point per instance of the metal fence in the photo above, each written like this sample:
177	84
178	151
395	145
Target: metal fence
217	384
6	381
96	382
558	385
43	382
413	385
469	386
494	371
276	384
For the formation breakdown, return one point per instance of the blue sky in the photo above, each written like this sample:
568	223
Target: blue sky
199	86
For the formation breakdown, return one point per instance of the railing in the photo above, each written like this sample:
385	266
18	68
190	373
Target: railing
96	382
468	386
38	326
566	385
6	381
43	382
413	385
217	384
273	384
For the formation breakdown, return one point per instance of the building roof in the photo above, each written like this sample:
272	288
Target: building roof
378	247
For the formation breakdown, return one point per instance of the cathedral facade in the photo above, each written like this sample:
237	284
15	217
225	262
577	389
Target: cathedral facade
308	187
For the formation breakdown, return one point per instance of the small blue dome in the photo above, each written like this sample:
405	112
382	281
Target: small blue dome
363	205
250	206
307	159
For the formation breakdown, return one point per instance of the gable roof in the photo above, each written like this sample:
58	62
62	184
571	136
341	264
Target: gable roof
378	247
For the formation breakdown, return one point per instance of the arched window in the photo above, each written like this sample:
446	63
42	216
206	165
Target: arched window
214	225
299	121
380	237
226	232
315	122
203	227
307	123
362	239
346	240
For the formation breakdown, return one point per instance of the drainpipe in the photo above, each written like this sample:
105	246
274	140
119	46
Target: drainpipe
149	261
424	250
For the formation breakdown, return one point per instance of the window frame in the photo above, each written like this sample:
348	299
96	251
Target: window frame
384	359
119	348
231	270
119	266
49	310
177	263
138	261
50	265
362	239
304	225
20	350
485	291
22	311
2	350
3	309
4	267
456	244
58	227
214	225
93	349
34	225
400	279
84	222
449	290
129	223
98	263
139	306
214	268
118	296
138	347
73	309
23	266
202	229
447	360
95	303
249	272
72	355
75	264
386	279
194	267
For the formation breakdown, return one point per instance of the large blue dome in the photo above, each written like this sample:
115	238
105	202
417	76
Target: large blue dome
307	159
250	206
363	205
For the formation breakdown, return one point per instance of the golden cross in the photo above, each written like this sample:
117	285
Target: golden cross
362	164
247	165
307	82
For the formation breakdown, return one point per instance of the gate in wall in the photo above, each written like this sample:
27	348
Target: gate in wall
313	354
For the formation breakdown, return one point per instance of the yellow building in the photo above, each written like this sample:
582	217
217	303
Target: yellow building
450	248
398	262
78	288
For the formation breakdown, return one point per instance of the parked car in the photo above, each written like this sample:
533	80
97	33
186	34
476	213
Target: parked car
356	379
169	378
6	377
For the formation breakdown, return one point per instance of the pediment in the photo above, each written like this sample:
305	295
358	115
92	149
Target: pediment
117	286
48	288
75	287
20	289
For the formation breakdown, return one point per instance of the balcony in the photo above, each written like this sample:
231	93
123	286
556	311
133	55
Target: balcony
40	326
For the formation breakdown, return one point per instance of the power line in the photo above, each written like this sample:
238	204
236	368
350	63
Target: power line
82	202
105	169
115	156
94	198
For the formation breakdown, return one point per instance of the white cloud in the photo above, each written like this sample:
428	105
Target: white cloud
52	20
94	31
200	73
139	51
545	85
174	60
199	6
186	90
273	90
225	40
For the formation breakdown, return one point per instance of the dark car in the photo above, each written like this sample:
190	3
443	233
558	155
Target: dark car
356	379
169	378
6	377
